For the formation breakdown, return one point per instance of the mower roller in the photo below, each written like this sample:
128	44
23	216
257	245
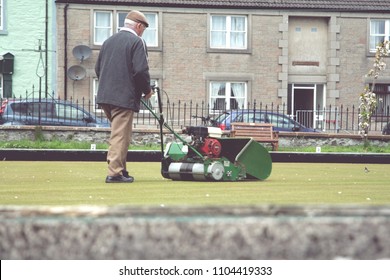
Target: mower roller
208	156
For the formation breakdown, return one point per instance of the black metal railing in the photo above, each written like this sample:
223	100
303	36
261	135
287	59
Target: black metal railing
180	114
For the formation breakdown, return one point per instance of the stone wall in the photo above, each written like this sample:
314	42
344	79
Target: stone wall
144	136
262	232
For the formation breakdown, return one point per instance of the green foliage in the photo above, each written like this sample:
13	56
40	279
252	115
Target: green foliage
38	134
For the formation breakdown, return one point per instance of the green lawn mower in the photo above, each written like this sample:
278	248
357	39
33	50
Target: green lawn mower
208	156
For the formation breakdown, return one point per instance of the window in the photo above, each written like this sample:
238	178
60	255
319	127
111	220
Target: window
280	121
2	15
103	27
33	109
251	117
95	85
151	33
228	32
379	32
68	112
228	95
152	102
382	92
120	21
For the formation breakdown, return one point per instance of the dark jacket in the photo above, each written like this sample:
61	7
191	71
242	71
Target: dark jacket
123	71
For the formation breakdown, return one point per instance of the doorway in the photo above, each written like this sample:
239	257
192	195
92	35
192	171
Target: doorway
306	102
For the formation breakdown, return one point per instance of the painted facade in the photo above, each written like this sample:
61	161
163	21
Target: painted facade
23	36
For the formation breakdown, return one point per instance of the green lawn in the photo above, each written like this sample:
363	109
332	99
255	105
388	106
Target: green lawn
57	144
82	183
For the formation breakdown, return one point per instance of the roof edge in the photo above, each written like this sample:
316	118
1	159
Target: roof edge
260	5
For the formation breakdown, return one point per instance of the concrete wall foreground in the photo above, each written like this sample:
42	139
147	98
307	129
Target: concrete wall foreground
263	232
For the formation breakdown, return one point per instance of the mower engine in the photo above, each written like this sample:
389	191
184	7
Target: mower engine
202	142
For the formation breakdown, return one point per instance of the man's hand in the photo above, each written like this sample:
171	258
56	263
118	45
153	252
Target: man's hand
147	96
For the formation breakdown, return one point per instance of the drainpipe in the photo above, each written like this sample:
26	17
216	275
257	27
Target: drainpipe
65	50
46	44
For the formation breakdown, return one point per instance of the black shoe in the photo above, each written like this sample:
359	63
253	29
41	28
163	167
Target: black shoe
126	174
119	179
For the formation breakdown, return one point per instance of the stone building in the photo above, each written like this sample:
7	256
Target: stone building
303	54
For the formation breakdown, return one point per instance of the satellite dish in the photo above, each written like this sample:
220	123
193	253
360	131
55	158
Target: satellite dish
81	52
77	72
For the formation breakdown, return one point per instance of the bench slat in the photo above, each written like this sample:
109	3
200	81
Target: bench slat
260	132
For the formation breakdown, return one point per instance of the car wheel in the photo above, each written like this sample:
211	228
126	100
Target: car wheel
386	129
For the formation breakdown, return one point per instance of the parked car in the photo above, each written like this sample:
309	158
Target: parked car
280	122
386	129
51	112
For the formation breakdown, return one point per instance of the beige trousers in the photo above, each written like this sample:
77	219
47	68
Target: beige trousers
121	131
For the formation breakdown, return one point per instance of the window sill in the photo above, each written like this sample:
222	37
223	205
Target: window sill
230	51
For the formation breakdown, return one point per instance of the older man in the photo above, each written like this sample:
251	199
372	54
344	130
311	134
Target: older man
123	72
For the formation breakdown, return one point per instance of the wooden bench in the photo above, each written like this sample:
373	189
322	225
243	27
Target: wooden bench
260	132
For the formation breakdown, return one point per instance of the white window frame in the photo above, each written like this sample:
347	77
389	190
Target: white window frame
385	35
226	98
228	32
2	14
383	98
95	85
152	101
151	32
97	28
119	22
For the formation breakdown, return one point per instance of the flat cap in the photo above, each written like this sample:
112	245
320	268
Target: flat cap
137	16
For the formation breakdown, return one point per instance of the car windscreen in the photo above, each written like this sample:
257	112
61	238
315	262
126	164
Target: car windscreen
221	118
250	117
33	109
281	121
68	112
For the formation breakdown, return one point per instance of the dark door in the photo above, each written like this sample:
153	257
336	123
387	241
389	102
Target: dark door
303	106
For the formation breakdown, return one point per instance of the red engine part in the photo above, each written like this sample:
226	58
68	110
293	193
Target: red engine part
211	147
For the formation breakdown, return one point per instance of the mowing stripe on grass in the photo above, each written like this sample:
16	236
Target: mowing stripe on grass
82	183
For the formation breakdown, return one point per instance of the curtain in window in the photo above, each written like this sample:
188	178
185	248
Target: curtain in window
225	96
382	92
377	32
237	100
218	31
237	37
102	26
218	97
150	34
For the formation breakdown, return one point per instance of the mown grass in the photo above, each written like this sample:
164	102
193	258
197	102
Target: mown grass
57	144
341	149
82	183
